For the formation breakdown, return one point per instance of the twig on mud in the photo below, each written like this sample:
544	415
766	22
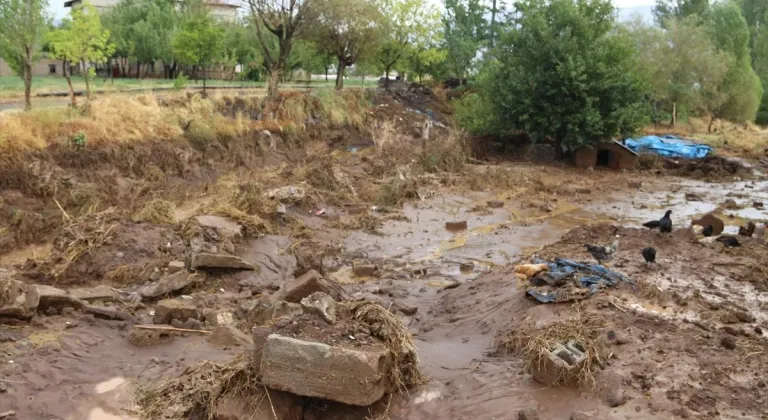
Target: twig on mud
12	382
164	328
62	209
7	414
617	306
266	391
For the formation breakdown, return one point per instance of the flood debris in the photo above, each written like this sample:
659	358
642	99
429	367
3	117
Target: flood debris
224	226
17	299
310	282
181	310
567	280
170	283
209	260
456	226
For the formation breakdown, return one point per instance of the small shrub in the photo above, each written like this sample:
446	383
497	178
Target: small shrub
201	134
180	82
474	114
157	212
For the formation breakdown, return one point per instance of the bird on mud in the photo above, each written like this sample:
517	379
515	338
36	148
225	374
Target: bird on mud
708	231
603	253
664	224
728	240
649	255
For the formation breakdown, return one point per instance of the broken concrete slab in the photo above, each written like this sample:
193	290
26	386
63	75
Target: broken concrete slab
90	294
51	297
228	336
308	283
363	270
355	377
106	312
456	226
18	300
224	225
176	266
320	303
561	366
262	310
170	309
170	283
207	260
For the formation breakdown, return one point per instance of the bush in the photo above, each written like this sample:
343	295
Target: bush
474	114
180	82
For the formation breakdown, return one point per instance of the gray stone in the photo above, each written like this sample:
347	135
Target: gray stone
310	282
528	414
612	387
363	270
228	336
580	415
262	310
168	284
51	297
321	304
259	335
494	204
19	300
355	377
176	266
219	317
90	294
561	366
106	312
170	309
206	260
224	225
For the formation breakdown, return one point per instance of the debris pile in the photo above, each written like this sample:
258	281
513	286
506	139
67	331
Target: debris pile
564	280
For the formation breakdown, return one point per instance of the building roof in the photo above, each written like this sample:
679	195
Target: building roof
620	144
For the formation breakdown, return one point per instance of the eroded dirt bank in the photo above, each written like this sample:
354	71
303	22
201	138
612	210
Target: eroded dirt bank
685	340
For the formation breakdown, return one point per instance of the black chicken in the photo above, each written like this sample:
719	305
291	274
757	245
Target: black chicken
664	224
603	253
649	255
708	230
728	240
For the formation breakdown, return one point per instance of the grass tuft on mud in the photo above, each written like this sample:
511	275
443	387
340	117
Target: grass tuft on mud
534	343
195	393
387	327
159	212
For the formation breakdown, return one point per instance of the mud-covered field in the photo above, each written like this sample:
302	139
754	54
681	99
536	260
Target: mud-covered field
381	212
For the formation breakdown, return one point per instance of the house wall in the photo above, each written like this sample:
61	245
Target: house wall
620	157
41	68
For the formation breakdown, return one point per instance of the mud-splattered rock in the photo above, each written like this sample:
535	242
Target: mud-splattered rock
728	342
219	317
580	415
17	299
207	260
320	303
144	338
407	310
355	377
612	388
90	294
364	270
176	266
106	312
456	226
234	407
310	282
689	196
528	414
730	204
168	284
228	336
170	309
494	204
225	226
189	324
51	297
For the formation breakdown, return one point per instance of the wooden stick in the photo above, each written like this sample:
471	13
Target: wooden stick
165	328
12	382
270	402
7	414
62	209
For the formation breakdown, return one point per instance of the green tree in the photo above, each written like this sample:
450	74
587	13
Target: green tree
403	22
756	14
563	72
346	30
465	31
666	10
84	41
24	24
281	21
199	40
239	46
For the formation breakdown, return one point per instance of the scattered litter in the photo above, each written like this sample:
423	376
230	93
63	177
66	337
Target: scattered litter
320	212
670	146
567	280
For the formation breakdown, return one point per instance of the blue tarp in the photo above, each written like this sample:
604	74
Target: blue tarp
669	146
589	278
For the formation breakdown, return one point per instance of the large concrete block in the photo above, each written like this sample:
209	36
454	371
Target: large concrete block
355	377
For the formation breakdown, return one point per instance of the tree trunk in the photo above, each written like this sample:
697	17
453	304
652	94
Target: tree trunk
340	74
69	83
711	122
674	115
420	81
205	76
386	78
87	82
362	79
27	85
493	23
326	73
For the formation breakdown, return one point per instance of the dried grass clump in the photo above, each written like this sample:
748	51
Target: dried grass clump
82	236
397	190
196	392
157	211
535	343
387	327
331	181
6	296
649	161
243	202
365	222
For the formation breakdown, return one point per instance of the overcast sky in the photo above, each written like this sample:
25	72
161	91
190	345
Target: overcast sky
58	11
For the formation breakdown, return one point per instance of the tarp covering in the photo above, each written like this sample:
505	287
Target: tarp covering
669	146
568	280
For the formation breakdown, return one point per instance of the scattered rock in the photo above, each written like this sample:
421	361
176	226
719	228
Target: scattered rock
407	310
206	260
19	300
321	304
689	196
224	225
189	324
451	284
618	337
456	226
259	337
747	230
363	270
3	388
281	209
168	284
635	184
612	388
228	336
730	204
107	312
170	309
355	377
736	316
176	266
758	330
580	415
310	282
528	414
757	204
144	338
90	294
287	194
728	342
730	330
51	297
494	204
219	317
709	219
584	191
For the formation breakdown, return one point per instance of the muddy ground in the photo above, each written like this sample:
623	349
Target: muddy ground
685	340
